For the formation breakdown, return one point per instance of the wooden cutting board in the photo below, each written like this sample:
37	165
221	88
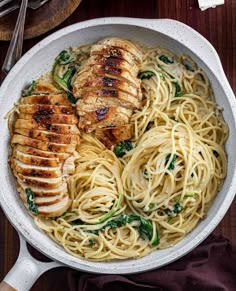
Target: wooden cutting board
39	21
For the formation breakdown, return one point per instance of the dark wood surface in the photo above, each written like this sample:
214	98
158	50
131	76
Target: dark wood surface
39	21
217	25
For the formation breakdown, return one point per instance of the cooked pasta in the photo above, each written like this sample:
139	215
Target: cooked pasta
157	192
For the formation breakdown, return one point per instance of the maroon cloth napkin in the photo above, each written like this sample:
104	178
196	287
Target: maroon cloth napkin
211	266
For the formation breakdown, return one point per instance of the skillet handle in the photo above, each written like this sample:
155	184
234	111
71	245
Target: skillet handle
25	271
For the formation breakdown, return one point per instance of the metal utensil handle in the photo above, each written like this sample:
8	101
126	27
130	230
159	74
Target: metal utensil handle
25	271
15	48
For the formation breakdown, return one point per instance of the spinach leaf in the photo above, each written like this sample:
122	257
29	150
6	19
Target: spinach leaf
165	59
189	67
145	75
65	57
92	242
178	92
172	163
71	97
145	174
151	205
122	148
149	125
65	82
77	222
30	201
113	210
29	90
145	228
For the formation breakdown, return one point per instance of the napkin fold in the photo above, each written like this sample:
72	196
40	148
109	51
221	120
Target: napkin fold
209	267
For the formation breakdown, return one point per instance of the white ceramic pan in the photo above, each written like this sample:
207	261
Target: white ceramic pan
164	32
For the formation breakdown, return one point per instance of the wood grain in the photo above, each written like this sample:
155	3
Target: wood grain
217	25
39	21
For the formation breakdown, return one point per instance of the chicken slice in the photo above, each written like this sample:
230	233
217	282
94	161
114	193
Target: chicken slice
45	109
59	99
110	72
43	200
113	135
106	97
55	209
50	118
112	51
45	87
40	182
45	146
43	192
35	160
92	81
35	171
41	153
112	63
49	136
123	44
57	128
103	117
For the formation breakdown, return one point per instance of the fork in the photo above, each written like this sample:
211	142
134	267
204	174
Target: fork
15	48
32	5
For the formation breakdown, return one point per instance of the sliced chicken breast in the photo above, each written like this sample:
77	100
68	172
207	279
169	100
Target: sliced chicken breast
113	135
44	192
41	145
48	136
108	97
35	171
40	182
110	72
115	52
123	44
91	81
104	117
35	160
50	118
57	128
56	209
59	99
45	109
113	63
41	153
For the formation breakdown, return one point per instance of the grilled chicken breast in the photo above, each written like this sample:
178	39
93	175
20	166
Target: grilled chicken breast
45	136
108	90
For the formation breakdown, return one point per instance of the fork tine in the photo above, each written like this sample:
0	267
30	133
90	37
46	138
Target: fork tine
4	2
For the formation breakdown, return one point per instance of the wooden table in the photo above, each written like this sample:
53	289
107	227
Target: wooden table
217	25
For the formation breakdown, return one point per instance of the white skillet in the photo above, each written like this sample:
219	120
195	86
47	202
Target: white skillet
166	33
